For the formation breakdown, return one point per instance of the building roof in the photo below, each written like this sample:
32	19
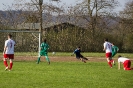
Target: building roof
36	25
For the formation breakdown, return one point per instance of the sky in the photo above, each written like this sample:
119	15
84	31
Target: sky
5	3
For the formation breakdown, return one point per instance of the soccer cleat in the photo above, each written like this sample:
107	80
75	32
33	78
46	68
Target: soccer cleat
6	68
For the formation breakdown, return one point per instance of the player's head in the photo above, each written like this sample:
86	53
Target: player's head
106	39
119	56
9	36
44	40
78	47
113	44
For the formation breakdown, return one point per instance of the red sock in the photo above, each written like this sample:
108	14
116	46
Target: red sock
5	63
110	64
11	64
112	61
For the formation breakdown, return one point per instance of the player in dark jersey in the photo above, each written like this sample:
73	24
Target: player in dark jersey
79	56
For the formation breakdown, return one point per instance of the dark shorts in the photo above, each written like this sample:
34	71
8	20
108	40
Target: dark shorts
79	56
9	56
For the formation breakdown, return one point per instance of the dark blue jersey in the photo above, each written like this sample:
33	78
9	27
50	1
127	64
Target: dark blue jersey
77	52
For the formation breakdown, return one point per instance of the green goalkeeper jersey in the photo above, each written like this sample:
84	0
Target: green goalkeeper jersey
114	50
44	47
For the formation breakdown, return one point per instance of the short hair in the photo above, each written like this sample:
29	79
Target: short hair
10	35
44	40
106	39
79	47
119	56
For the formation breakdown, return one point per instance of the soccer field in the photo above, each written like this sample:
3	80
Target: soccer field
70	74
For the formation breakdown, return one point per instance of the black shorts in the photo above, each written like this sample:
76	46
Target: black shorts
79	56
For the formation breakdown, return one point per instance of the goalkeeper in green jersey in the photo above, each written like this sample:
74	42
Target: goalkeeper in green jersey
115	49
44	51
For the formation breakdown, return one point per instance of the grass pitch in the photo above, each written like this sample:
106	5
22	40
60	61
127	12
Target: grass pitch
27	74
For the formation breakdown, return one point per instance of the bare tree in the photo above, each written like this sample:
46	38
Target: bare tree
93	13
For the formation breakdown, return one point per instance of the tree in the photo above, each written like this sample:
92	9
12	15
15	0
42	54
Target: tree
94	14
126	24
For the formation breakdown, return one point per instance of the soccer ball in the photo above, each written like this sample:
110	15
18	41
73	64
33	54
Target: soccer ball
53	53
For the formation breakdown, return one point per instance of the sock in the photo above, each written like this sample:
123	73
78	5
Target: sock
5	63
47	58
111	60
110	63
38	60
11	64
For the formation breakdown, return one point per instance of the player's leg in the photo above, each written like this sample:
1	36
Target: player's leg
5	61
79	58
39	57
83	57
113	54
11	57
47	59
112	61
127	65
109	62
11	64
82	60
108	56
38	60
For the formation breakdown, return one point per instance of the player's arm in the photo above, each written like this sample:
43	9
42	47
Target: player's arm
104	47
73	53
5	47
119	65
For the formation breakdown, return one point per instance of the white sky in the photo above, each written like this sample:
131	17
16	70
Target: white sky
4	3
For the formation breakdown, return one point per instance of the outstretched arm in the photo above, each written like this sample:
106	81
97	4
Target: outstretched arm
72	53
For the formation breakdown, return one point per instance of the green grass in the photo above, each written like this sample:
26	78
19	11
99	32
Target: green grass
64	75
